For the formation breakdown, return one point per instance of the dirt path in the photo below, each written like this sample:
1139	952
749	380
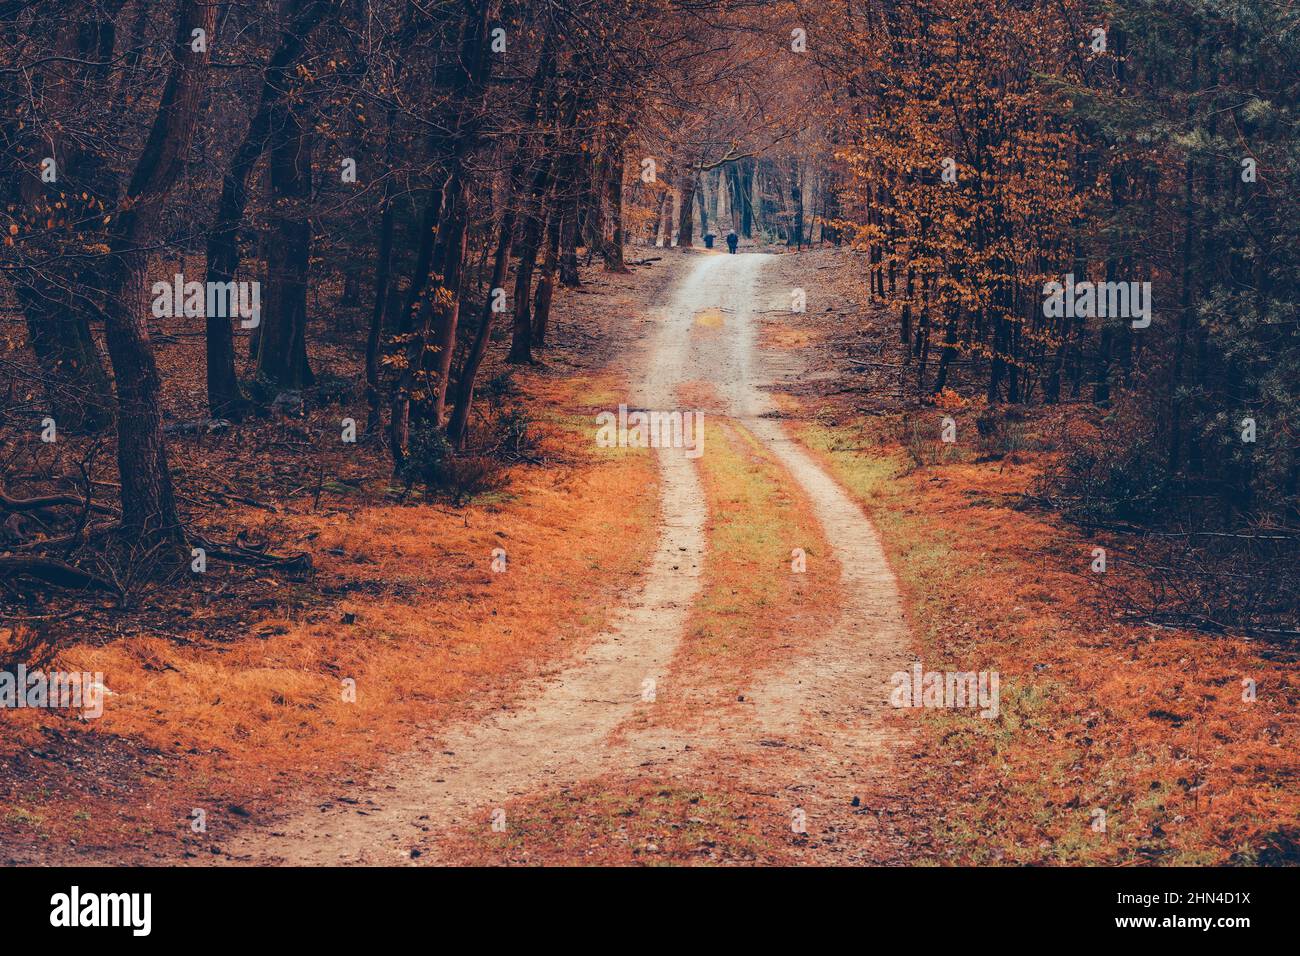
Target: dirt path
820	721
869	643
825	712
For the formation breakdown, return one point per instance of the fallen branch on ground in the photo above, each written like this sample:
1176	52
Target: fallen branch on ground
50	501
82	537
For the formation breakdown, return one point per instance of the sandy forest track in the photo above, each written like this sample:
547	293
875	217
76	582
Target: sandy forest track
824	713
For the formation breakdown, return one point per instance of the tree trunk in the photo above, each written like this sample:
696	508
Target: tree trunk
224	396
595	205
546	282
459	424
702	204
614	251
657	237
749	168
686	215
351	294
830	212
76	384
796	203
149	517
282	346
450	224
454	224
569	249
719	210
521	339
383	272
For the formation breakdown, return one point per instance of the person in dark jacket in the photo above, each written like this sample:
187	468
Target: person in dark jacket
732	242
708	240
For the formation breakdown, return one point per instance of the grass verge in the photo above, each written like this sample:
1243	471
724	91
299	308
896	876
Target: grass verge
405	610
1115	744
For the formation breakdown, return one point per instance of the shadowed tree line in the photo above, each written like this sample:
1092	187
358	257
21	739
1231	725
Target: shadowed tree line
441	165
989	151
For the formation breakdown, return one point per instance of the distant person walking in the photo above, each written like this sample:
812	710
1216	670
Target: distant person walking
732	242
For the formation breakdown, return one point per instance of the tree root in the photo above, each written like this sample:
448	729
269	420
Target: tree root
53	571
50	501
299	562
61	574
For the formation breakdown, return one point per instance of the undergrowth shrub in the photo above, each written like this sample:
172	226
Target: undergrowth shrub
480	468
1102	481
513	435
919	435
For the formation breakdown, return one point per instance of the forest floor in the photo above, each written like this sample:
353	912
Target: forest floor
653	678
766	703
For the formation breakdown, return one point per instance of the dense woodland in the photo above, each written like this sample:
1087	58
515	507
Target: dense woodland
440	167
